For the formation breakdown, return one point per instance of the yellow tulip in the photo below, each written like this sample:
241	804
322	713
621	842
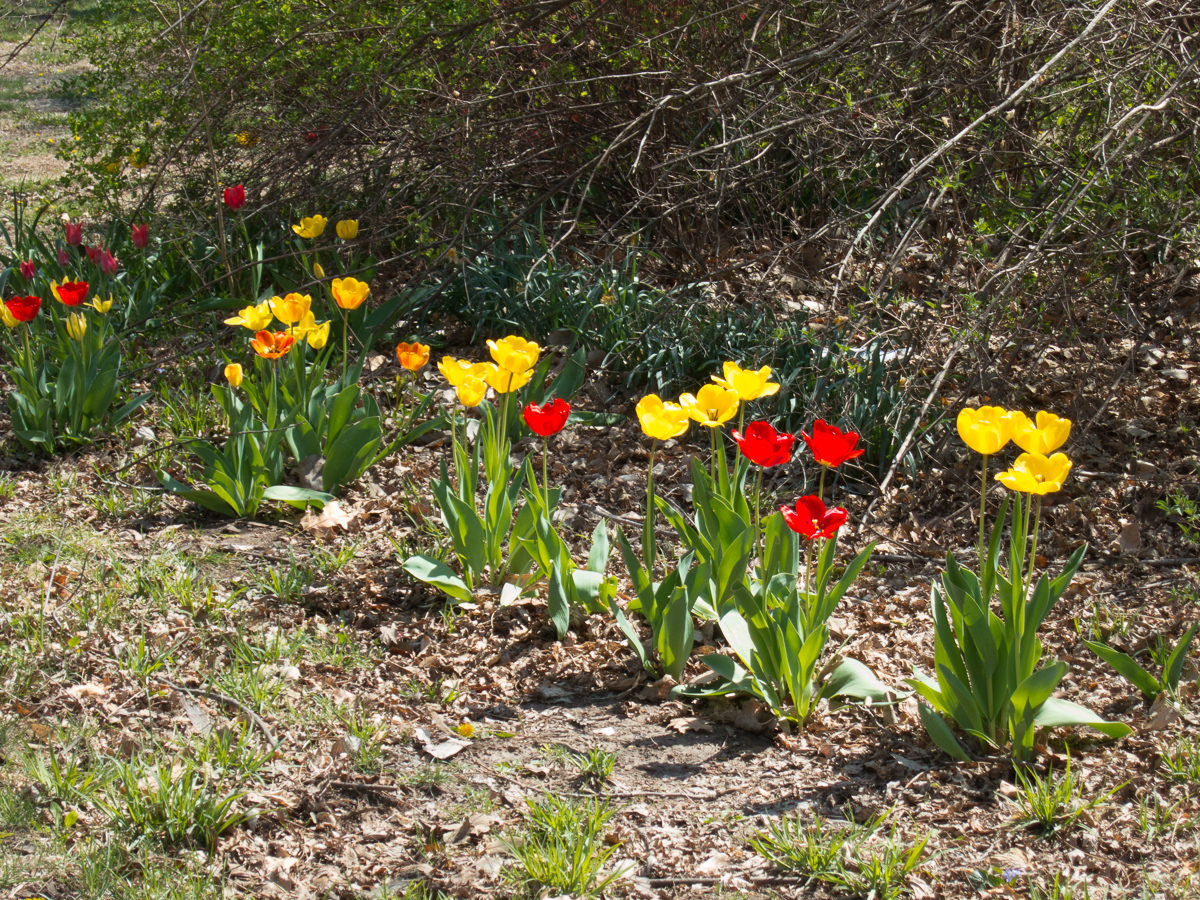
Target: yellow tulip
290	309
514	353
318	270
1034	473
307	329
102	306
349	293
659	420
6	316
347	229
454	370
471	390
256	318
1046	436
985	430
711	406
76	326
748	384
501	380
311	227
233	374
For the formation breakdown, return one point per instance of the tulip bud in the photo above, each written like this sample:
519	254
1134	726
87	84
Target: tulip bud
28	270
235	197
63	258
74	231
140	235
233	374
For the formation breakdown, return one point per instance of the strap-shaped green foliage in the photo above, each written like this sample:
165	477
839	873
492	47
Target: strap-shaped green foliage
1149	684
992	679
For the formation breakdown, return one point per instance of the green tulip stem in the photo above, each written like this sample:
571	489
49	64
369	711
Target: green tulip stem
758	518
821	484
345	343
982	510
28	357
807	565
648	548
504	424
546	475
1037	520
712	443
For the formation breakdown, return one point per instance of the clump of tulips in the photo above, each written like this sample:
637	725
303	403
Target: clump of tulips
992	679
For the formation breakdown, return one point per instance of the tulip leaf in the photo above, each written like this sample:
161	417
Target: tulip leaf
853	679
436	573
558	601
940	733
296	496
1127	668
1056	712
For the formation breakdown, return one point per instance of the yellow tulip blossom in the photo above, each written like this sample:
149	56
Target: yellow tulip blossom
1034	473
471	390
454	370
256	318
1046	436
318	270
349	293
748	384
514	353
76	326
101	306
985	430
347	229
661	420
233	374
711	406
311	227
6	316
504	381
291	308
307	329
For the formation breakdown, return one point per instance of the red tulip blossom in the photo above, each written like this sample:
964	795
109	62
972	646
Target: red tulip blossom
547	419
74	232
811	519
23	309
235	197
830	445
763	445
109	263
94	253
28	270
140	235
63	258
70	293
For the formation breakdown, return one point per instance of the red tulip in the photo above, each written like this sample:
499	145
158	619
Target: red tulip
23	309
28	270
811	519
830	445
547	419
63	258
140	235
70	293
93	253
74	232
763	445
109	263
235	197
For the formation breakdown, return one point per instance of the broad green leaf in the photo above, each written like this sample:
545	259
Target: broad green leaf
437	573
1056	712
940	733
1128	668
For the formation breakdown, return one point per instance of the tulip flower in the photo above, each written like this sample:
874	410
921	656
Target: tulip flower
514	353
256	318
22	309
347	229
311	227
74	233
28	269
414	356
985	430
308	330
812	519
233	374
139	235
93	253
504	381
69	293
291	308
318	270
748	384
1045	437
471	390
549	418
455	371
711	406
661	420
101	306
272	345
63	257
830	445
6	316
763	445
109	263
1034	473
234	197
76	326
349	293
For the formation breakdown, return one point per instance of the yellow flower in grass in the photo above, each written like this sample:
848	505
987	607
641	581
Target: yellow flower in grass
291	308
711	406
748	384
349	293
76	326
661	420
454	370
233	374
6	316
1046	436
985	430
1033	473
471	390
256	318
347	229
514	353
504	381
311	227
102	306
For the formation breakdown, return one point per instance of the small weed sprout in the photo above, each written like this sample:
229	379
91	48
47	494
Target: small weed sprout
1182	761
1053	801
563	847
596	765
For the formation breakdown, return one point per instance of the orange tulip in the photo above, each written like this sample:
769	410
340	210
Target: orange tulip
270	345
412	356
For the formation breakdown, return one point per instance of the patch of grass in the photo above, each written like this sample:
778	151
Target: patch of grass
288	583
430	777
562	847
1182	760
1054	801
596	765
